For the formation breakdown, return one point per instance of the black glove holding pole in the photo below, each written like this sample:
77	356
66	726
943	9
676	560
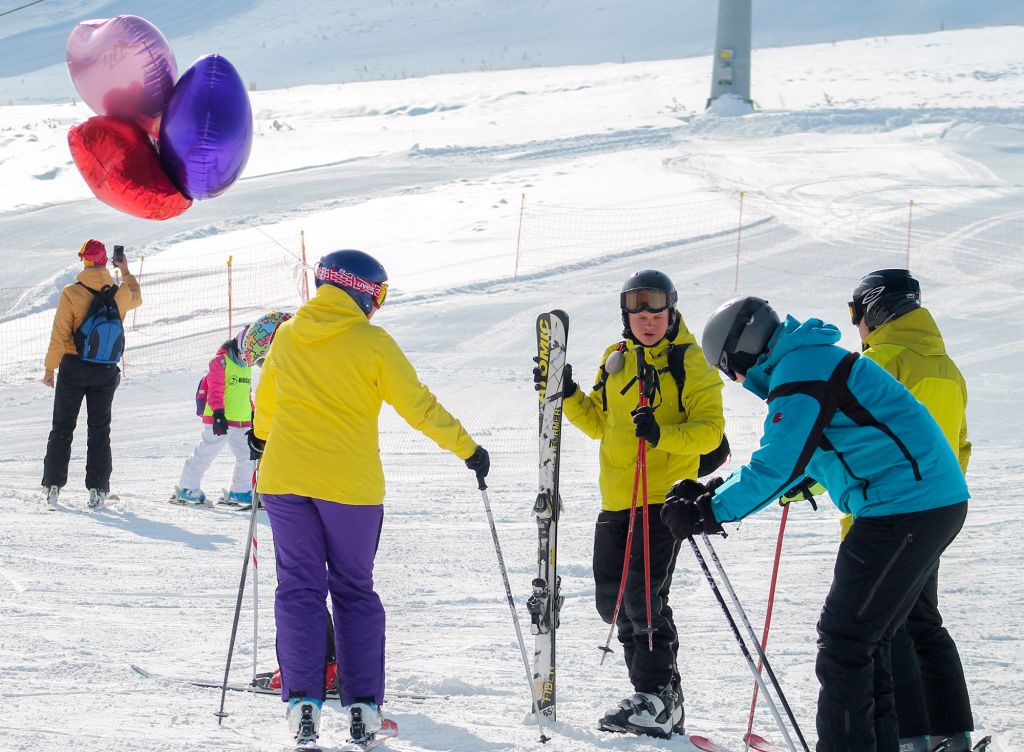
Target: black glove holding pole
569	386
687	510
647	427
480	463
256	445
220	423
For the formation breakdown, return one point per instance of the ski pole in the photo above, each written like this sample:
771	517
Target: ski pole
255	598
238	602
625	560
739	638
768	616
761	654
646	388
512	606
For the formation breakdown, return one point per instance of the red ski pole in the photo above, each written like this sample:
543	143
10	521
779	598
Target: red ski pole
767	618
642	461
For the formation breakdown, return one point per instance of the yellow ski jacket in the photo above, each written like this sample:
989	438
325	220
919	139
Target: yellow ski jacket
911	349
319	398
685	434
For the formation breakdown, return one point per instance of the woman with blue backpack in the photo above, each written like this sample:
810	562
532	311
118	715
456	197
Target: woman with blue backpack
224	402
86	344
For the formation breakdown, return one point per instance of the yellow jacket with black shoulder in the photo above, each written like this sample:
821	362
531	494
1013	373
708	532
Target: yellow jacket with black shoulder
319	398
687	431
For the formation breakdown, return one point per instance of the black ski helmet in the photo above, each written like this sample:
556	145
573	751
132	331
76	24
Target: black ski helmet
357	273
737	333
648	290
883	296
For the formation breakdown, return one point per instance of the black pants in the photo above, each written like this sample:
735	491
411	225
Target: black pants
649	670
96	384
931	694
882	567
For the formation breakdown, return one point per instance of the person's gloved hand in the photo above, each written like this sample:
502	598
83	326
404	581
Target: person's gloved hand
256	445
802	491
690	517
713	484
687	490
647	427
569	386
220	423
479	462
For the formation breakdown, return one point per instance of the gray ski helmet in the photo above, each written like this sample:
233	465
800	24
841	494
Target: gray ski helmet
648	290
883	296
737	333
357	273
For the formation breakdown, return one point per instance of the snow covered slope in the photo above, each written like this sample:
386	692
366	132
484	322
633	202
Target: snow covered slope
429	174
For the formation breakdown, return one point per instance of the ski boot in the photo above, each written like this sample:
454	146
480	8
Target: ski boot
956	743
189	496
644	713
52	493
242	498
304	720
915	744
364	719
678	713
97	498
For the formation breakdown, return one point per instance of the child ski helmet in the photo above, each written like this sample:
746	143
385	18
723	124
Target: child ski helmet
737	333
257	337
357	273
883	296
648	290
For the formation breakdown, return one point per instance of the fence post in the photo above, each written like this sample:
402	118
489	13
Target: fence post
135	311
230	329
519	236
910	223
739	233
305	267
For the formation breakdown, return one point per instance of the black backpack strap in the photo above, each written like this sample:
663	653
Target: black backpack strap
676	357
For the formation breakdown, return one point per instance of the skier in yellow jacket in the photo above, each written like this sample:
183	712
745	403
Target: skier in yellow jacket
932	702
683	422
317	405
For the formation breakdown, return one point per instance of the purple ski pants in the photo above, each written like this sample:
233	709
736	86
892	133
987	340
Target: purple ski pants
323	546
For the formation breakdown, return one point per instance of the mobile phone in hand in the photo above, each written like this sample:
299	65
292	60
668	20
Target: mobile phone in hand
118	254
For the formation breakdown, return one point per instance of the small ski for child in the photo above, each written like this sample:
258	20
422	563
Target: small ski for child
546	601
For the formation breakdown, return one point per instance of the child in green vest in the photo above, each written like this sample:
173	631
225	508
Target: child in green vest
227	412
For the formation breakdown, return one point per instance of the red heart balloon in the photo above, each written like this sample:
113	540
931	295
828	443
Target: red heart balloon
122	168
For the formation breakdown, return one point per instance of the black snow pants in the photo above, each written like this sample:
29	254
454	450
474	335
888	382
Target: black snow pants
95	384
649	671
881	569
931	693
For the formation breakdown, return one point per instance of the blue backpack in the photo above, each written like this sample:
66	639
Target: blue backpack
100	338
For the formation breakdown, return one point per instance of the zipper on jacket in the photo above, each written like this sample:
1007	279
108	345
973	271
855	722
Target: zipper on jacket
885	571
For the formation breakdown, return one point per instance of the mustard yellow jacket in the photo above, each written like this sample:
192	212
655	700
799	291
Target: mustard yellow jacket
911	349
685	435
319	398
74	305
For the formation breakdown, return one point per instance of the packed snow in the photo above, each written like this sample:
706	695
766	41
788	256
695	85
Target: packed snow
596	171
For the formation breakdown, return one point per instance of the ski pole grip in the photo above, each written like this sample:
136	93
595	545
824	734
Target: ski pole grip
480	482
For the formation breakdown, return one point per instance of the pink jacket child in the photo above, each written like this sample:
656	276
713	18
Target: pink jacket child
224	401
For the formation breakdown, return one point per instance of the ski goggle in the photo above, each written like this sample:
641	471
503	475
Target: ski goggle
646	299
856	313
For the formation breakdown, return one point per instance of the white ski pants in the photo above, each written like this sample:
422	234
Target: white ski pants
206	452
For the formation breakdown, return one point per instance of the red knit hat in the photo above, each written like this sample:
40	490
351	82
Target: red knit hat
93	253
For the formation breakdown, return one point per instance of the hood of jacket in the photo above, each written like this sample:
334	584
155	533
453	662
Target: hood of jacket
95	277
327	314
791	335
915	331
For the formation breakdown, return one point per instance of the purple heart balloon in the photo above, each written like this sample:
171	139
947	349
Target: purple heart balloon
206	132
122	67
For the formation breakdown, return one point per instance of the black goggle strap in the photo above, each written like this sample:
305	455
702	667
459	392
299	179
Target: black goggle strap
727	363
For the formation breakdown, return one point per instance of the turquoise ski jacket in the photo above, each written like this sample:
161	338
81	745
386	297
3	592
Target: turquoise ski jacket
843	420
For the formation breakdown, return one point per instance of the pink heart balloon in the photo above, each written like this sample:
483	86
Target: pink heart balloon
123	67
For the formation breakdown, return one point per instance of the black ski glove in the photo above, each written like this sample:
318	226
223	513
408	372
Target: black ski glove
569	386
479	462
256	445
220	423
690	517
647	427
